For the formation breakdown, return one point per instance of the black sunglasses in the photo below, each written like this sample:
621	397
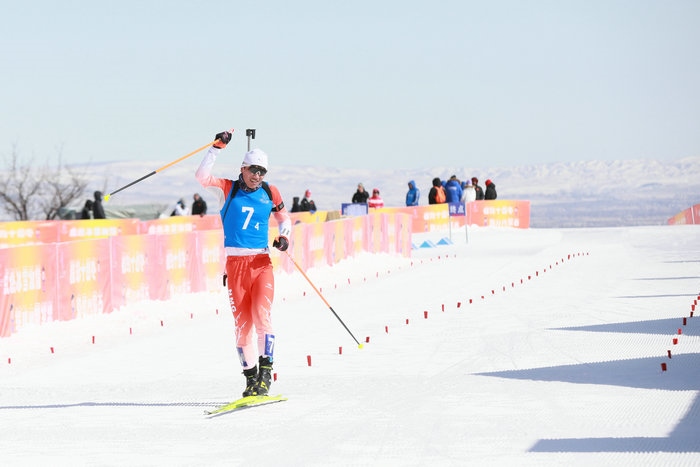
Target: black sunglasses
257	170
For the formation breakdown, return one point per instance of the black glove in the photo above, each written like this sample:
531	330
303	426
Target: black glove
281	243
223	139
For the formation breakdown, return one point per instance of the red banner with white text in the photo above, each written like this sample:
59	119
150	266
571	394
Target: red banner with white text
63	270
687	216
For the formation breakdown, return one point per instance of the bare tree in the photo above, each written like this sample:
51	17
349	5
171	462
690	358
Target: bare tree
28	193
18	189
61	191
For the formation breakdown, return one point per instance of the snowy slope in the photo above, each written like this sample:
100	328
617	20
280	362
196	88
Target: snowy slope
548	352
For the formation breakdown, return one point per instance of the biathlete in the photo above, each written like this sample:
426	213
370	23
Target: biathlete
245	205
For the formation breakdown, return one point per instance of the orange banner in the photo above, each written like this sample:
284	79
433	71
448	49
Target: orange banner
436	217
103	268
687	216
29	286
424	218
28	233
131	269
209	270
179	254
498	213
179	224
84	273
96	228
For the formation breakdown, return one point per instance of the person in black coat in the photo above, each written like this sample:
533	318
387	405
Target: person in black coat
98	212
199	206
86	213
490	190
477	189
361	195
307	204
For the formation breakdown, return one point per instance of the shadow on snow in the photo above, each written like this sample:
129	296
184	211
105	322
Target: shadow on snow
682	375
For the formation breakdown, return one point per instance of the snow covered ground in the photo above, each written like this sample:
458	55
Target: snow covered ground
548	351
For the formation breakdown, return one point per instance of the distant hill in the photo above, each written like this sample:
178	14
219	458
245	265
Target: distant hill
578	194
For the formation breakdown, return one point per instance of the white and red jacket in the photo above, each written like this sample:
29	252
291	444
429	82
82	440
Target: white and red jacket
246	217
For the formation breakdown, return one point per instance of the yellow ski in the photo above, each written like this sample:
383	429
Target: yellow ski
244	403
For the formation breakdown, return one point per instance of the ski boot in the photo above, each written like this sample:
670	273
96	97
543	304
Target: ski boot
251	381
265	376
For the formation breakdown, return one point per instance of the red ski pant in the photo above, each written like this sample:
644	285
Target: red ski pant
251	289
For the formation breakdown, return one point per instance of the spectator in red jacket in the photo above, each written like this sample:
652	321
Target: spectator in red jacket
375	201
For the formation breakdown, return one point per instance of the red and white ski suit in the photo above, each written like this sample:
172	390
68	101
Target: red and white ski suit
250	281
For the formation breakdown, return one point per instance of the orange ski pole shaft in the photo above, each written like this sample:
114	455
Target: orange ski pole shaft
323	298
106	197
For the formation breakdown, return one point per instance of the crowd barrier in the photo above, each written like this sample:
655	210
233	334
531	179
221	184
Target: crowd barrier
687	216
62	270
491	213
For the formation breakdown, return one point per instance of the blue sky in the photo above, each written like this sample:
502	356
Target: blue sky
352	84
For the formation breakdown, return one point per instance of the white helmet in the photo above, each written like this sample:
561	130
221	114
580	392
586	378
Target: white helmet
255	157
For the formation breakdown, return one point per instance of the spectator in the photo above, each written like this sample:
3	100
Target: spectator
477	189
413	194
295	204
199	206
179	209
453	190
98	212
360	196
307	204
468	193
376	201
86	213
490	190
437	193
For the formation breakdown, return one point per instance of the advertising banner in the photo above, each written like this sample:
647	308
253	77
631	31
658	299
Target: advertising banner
403	235
29	284
424	218
96	228
355	235
178	253
211	265
28	233
438	217
499	213
179	224
83	279
378	234
314	244
306	217
354	209
102	268
687	216
132	268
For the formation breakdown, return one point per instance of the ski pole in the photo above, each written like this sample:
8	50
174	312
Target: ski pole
106	197
250	133
322	298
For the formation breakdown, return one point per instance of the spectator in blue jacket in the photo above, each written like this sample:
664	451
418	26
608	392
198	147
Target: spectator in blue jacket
453	189
413	195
